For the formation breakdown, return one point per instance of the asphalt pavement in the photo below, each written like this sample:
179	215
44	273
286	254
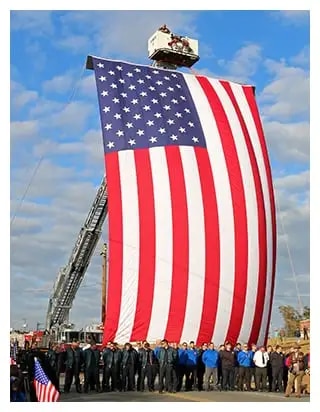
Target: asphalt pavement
193	396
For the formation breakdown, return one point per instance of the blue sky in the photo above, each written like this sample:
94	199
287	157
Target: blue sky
56	143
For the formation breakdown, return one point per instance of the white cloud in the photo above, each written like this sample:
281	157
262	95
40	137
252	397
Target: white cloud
292	17
20	97
24	129
244	63
35	22
288	93
288	142
59	84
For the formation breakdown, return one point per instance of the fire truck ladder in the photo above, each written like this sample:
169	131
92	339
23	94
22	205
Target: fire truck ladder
70	276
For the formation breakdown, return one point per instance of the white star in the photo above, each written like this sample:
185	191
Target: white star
137	116
173	75
148	77
154	101
171	89
166	78
113	85
140	132
187	110
100	65
174	101
115	100
162	130
119	68
129	74
102	78
122	81
146	108
158	115
155	71
163	94
132	87
170	121
190	124
174	137
182	130
126	109
134	101
106	109
119	133
195	139
182	98
152	88
178	114
108	126
159	82
143	94
124	95
137	70
150	123
178	86
111	72
153	139
110	145
140	81
129	125
131	142
117	116
104	93
167	107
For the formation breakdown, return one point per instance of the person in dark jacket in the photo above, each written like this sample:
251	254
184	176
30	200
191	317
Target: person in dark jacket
167	358
53	358
276	359
111	367
227	357
146	360
201	366
191	366
91	358
244	357
269	368
129	364
73	362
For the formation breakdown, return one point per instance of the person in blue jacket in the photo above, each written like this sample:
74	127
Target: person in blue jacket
210	358
182	365
244	358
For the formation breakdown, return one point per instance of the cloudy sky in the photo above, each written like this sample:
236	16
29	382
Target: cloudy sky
56	158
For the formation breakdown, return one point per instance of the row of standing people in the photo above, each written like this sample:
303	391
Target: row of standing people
176	368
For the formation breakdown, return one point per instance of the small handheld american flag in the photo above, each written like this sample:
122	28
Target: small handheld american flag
45	390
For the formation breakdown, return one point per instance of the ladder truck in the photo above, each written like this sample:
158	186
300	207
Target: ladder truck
70	277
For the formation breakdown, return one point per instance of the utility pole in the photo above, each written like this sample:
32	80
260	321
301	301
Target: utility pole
104	282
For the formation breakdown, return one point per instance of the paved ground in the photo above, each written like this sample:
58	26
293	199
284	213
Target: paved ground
212	396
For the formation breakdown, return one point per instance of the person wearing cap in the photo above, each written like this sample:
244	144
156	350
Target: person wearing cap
296	371
228	359
261	359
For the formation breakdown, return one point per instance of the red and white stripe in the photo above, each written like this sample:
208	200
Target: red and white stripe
192	231
46	393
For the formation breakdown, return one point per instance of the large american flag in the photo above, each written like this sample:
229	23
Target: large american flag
192	227
45	390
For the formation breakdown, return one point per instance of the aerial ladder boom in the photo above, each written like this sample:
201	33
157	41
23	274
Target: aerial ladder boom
70	277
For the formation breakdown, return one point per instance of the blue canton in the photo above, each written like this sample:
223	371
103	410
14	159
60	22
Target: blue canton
145	107
39	374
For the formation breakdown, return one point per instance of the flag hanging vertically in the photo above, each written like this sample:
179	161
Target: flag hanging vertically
192	226
45	390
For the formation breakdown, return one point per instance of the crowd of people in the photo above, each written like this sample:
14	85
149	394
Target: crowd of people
172	368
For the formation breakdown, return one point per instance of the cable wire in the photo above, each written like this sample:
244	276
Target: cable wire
42	156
